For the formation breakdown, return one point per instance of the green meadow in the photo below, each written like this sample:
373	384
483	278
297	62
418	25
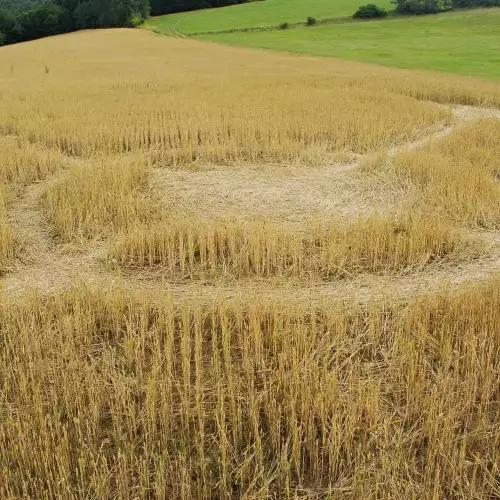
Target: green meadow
462	42
256	14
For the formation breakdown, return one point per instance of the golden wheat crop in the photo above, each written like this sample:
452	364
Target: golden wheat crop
460	173
187	350
187	248
6	236
111	398
198	104
99	198
24	163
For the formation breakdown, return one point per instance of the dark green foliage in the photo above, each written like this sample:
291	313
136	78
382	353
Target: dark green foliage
369	11
434	6
311	21
423	6
107	13
21	5
467	4
6	19
46	18
3	38
284	26
159	7
7	24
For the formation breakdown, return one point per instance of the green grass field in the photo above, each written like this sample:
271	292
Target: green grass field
463	42
256	14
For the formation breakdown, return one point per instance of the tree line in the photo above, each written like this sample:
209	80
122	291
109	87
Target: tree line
32	19
23	20
159	7
435	6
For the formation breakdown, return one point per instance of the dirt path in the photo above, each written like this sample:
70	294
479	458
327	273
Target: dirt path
32	231
43	264
64	271
40	262
176	31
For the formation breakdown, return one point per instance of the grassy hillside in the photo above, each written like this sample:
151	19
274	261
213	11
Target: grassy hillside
256	14
465	42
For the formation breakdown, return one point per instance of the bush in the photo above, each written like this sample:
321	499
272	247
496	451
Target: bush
133	21
284	26
311	21
369	11
2	39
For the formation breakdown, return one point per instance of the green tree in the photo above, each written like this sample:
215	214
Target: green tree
21	5
45	20
6	26
109	13
105	13
47	17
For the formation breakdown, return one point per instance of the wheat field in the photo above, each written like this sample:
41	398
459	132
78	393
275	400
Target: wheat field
228	273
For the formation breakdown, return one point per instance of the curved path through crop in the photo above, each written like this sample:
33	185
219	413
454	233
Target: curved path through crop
46	266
